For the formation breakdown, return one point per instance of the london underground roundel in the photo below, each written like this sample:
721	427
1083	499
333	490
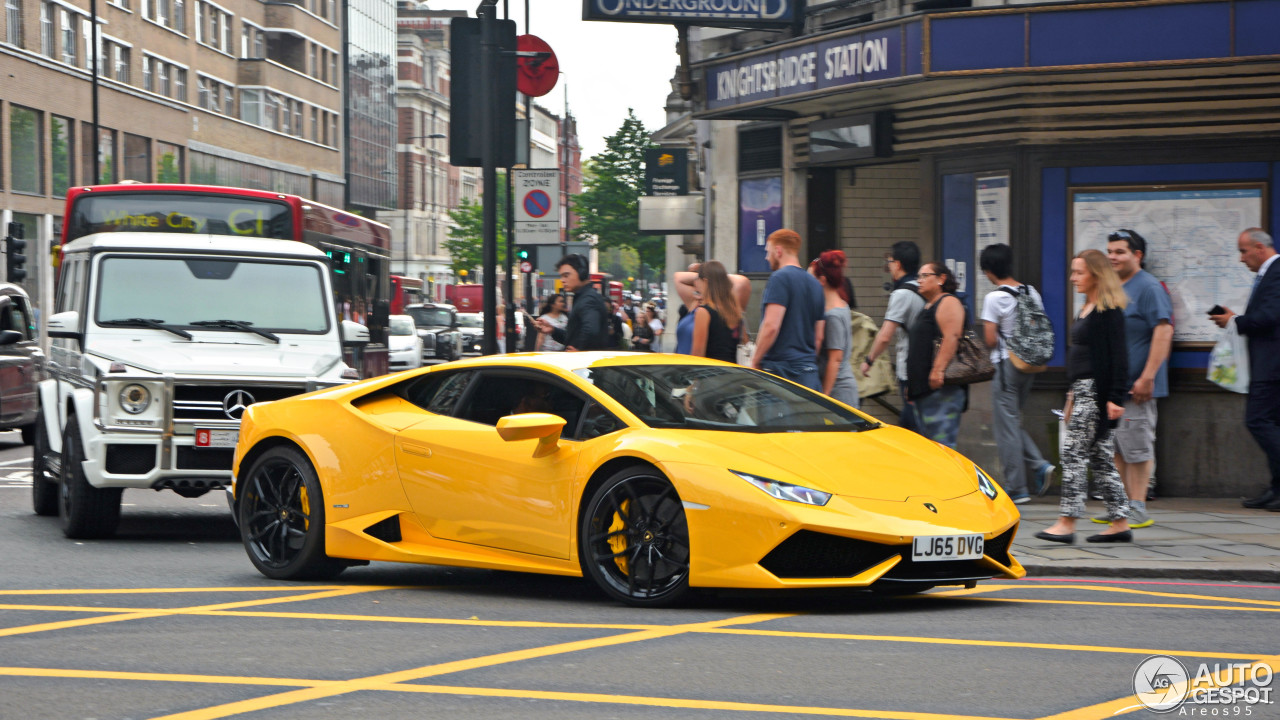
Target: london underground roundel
536	76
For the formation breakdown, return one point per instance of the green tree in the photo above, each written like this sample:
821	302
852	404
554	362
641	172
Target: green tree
465	243
620	262
609	204
167	169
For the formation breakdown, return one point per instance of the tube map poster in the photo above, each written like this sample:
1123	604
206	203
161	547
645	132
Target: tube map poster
1191	244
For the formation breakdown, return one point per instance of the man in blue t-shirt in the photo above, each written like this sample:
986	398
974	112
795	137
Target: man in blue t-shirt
792	328
1148	331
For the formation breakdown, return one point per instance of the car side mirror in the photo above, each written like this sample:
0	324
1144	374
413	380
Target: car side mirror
353	334
65	325
9	337
543	427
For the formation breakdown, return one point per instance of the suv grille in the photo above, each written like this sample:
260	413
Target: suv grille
196	403
429	341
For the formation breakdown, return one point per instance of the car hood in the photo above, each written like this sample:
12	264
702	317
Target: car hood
881	464
294	359
395	343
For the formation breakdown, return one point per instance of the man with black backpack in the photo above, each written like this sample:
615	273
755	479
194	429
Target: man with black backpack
1021	341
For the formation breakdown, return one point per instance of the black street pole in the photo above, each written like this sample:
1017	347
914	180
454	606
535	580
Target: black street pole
93	75
489	49
508	292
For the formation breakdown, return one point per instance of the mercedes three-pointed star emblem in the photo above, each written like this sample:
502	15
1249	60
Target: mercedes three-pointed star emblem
235	403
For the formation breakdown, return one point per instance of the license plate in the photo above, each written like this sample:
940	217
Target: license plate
216	438
946	547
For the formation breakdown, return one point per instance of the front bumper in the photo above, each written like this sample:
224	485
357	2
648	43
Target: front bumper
404	359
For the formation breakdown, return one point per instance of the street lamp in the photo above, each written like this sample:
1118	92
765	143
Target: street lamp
435	155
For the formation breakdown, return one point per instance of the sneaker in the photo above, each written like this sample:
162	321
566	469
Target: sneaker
1043	479
1020	499
1151	493
1139	519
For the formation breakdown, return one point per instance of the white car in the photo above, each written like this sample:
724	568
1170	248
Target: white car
404	347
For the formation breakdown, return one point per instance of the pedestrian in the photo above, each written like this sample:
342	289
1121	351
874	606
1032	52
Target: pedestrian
935	337
1148	335
555	311
718	327
902	262
837	339
642	337
1260	323
792	328
586	327
1098	378
1011	387
691	297
613	324
655	325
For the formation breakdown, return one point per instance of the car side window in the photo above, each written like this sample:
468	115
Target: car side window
438	392
497	396
597	421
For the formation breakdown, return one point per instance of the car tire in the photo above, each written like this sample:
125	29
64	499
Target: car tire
86	511
44	492
281	513
633	542
28	434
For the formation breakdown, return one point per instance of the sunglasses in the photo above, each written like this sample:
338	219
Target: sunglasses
1120	235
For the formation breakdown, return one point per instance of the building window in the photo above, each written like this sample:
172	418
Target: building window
47	32
68	38
169	13
61	141
121	55
147	83
228	101
250	106
13	22
137	158
168	163
179	16
162	78
86	33
333	68
199	21
25	150
105	150
180	84
202	92
315	124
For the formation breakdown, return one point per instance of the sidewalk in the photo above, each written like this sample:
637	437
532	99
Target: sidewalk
1192	538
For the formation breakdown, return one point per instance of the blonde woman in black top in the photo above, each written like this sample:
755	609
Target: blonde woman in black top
1098	375
717	322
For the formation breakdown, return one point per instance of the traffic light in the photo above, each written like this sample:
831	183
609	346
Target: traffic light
15	261
522	253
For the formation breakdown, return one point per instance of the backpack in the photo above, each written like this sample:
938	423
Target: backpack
1031	344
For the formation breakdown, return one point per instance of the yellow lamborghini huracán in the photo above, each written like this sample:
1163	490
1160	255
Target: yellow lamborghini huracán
649	474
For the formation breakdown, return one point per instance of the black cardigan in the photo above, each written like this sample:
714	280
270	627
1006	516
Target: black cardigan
1109	356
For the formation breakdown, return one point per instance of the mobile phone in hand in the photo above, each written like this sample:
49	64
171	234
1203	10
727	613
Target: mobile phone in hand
1216	310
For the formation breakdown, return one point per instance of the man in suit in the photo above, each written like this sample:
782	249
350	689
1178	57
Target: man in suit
1260	323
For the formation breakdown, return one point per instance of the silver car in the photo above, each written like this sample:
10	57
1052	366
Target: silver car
20	362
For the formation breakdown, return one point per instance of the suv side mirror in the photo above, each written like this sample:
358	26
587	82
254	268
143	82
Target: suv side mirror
65	325
353	334
9	337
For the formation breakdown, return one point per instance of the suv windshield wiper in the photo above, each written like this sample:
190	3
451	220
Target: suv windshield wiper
237	325
145	322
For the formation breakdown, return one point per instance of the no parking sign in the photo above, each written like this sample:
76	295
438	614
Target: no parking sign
537	206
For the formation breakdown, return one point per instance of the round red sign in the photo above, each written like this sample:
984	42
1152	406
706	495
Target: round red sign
536	76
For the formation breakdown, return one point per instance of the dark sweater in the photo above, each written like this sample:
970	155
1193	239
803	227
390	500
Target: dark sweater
1109	361
586	329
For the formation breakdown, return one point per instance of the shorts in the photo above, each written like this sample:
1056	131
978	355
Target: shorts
1136	432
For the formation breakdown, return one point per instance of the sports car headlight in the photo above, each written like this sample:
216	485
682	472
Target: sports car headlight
135	399
786	491
985	484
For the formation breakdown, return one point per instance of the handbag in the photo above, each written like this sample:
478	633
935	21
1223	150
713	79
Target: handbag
1229	361
971	363
746	349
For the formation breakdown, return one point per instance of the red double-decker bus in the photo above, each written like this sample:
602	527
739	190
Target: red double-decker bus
360	248
404	291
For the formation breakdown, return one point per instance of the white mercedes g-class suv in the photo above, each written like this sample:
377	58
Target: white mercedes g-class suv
159	343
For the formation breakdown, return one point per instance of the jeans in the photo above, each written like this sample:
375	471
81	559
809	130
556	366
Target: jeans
802	373
1009	392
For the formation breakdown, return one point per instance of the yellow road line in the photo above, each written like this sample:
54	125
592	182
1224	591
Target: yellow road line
683	703
1130	703
158	591
1127	591
1178	606
376	681
161	612
160	677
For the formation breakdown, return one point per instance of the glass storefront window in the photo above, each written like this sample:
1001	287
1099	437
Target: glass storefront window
137	158
61	141
168	163
25	150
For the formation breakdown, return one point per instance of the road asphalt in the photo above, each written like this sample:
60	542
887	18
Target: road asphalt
1191	538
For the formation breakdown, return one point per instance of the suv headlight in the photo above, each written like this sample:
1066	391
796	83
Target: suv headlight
135	398
786	491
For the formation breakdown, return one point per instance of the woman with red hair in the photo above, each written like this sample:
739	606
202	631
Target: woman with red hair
837	342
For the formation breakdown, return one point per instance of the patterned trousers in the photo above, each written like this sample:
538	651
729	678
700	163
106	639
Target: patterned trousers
938	414
1086	451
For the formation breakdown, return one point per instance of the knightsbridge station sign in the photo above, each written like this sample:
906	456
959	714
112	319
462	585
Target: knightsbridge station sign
735	13
846	60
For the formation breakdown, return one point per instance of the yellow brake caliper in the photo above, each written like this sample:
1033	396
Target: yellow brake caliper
618	542
306	507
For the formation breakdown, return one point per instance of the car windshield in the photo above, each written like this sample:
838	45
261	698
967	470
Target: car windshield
177	291
707	397
401	325
428	317
470	320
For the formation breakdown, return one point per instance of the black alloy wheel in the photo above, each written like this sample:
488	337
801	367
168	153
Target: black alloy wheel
44	491
86	511
634	539
281	513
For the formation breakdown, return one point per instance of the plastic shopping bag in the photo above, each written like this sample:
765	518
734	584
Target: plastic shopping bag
1229	361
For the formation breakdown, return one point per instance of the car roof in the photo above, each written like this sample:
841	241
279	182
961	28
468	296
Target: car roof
430	306
231	244
571	361
8	288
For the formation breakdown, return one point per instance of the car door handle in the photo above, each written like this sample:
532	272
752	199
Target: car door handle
412	449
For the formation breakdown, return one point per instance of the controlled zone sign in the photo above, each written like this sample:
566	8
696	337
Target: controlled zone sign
537	206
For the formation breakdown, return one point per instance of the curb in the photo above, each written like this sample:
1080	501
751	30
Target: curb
1162	570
